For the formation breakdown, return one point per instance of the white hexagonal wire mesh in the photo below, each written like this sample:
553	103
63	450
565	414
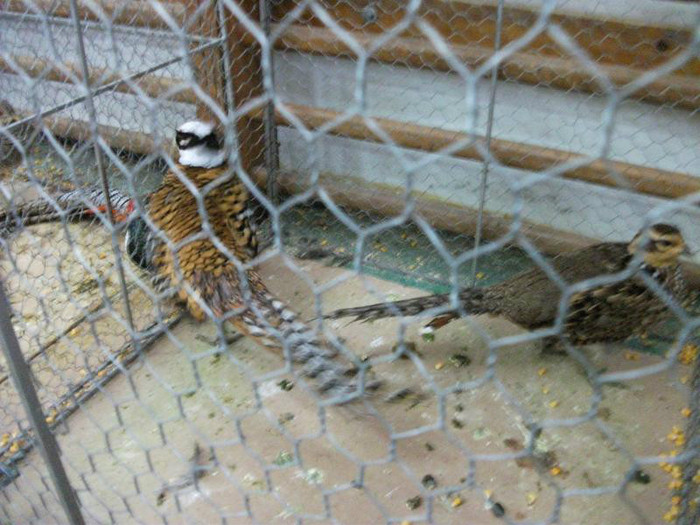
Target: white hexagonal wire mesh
500	162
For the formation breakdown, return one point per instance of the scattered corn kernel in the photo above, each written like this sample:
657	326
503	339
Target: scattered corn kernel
405	522
545	390
414	244
555	471
685	412
676	472
83	373
14	448
324	242
4	440
688	354
671	515
631	356
102	255
696	478
101	373
554	404
456	502
488	493
531	498
676	500
542	371
50	419
439	366
684	380
480	275
676	484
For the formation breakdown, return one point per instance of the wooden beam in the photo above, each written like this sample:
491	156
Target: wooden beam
606	41
135	14
120	140
360	194
154	86
246	76
207	66
525	67
650	181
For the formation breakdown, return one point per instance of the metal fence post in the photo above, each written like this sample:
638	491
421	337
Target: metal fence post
48	447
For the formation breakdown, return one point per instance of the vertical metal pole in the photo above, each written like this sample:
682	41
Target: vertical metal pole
48	447
89	103
271	150
489	127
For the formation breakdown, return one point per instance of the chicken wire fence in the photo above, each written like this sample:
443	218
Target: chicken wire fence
432	144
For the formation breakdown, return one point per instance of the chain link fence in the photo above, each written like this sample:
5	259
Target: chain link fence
391	149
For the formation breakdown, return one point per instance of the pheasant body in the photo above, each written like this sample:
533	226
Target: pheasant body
606	313
211	280
201	255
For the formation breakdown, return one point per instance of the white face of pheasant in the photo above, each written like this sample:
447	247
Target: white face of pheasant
662	246
198	145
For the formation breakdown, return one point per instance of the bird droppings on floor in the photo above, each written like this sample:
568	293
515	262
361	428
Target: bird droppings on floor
485	460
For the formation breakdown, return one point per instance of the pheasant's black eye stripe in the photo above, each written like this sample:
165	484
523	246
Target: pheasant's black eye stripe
190	140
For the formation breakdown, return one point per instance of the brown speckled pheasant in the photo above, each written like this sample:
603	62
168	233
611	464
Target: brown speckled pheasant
207	277
607	313
194	258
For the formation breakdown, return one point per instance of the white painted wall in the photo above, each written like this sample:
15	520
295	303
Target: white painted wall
644	134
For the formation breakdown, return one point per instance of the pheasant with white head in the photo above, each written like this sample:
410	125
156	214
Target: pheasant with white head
198	146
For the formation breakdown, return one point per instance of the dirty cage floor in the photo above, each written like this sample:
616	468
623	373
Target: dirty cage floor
129	447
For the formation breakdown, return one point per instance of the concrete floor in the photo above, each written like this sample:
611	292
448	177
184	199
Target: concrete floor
276	456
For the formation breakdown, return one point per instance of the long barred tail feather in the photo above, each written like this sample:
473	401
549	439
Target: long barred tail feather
73	206
403	308
268	320
318	361
473	300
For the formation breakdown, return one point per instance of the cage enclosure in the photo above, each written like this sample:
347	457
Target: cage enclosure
377	150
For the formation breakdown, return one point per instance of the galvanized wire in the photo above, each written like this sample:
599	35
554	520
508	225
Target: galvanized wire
334	106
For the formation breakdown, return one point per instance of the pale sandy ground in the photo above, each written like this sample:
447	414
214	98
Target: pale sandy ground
271	459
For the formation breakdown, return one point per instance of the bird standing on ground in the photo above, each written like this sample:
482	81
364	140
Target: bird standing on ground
606	313
204	257
201	256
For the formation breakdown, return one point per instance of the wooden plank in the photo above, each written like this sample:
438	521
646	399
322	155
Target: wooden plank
360	194
154	86
526	67
207	66
611	42
139	14
246	76
120	140
650	181
646	180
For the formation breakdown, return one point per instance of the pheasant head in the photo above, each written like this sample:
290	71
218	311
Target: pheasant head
198	145
662	245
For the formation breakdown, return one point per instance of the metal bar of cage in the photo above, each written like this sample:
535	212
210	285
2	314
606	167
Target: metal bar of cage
99	159
264	169
107	87
489	130
23	380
